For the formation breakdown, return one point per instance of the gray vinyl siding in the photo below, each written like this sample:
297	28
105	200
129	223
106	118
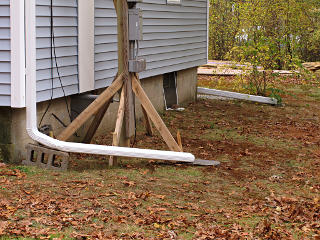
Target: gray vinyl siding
5	56
65	14
175	36
106	49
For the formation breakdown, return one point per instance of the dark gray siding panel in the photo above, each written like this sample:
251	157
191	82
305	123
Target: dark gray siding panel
106	50
5	57
175	36
65	14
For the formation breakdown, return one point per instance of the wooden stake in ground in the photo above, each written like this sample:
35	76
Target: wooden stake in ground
179	140
118	128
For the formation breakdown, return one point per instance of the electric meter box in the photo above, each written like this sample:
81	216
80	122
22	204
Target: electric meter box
137	65
135	24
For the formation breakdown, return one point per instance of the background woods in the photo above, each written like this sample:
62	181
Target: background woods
276	34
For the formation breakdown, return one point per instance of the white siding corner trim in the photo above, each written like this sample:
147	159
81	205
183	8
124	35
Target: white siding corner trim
17	54
86	11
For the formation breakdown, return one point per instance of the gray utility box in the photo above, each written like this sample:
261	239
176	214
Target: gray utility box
137	65
135	24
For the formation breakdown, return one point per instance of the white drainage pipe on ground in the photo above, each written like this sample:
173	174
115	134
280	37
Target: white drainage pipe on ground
234	95
31	111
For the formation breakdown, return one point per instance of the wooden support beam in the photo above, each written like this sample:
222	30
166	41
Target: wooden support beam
154	116
97	104
97	120
179	140
118	127
119	121
121	7
129	109
96	123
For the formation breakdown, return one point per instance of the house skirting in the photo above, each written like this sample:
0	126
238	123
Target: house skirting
13	135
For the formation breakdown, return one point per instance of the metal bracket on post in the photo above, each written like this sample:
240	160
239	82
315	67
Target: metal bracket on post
137	65
135	34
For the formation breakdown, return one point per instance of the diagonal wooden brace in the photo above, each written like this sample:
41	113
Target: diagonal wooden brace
154	116
97	120
96	123
91	109
118	128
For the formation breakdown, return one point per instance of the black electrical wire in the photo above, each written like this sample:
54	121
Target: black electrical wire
51	67
53	56
59	76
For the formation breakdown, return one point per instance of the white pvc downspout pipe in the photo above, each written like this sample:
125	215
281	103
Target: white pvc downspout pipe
31	111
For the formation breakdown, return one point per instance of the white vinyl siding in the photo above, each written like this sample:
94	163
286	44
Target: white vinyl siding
106	48
65	14
175	36
5	55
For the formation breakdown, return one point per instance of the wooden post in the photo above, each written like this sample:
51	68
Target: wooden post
123	56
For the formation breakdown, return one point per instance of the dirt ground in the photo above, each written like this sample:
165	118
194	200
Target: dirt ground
267	186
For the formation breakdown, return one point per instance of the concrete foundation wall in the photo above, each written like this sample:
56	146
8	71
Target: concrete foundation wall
187	86
13	135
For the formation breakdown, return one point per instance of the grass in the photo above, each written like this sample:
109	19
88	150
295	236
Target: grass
143	199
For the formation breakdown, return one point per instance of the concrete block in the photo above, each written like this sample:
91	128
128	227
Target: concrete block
46	158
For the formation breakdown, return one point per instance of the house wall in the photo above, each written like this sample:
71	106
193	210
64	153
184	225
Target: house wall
66	41
5	66
175	38
106	44
13	135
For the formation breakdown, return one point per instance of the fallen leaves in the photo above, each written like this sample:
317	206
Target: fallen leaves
128	183
3	226
262	190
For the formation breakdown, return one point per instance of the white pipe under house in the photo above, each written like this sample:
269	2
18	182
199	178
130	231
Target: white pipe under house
31	111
